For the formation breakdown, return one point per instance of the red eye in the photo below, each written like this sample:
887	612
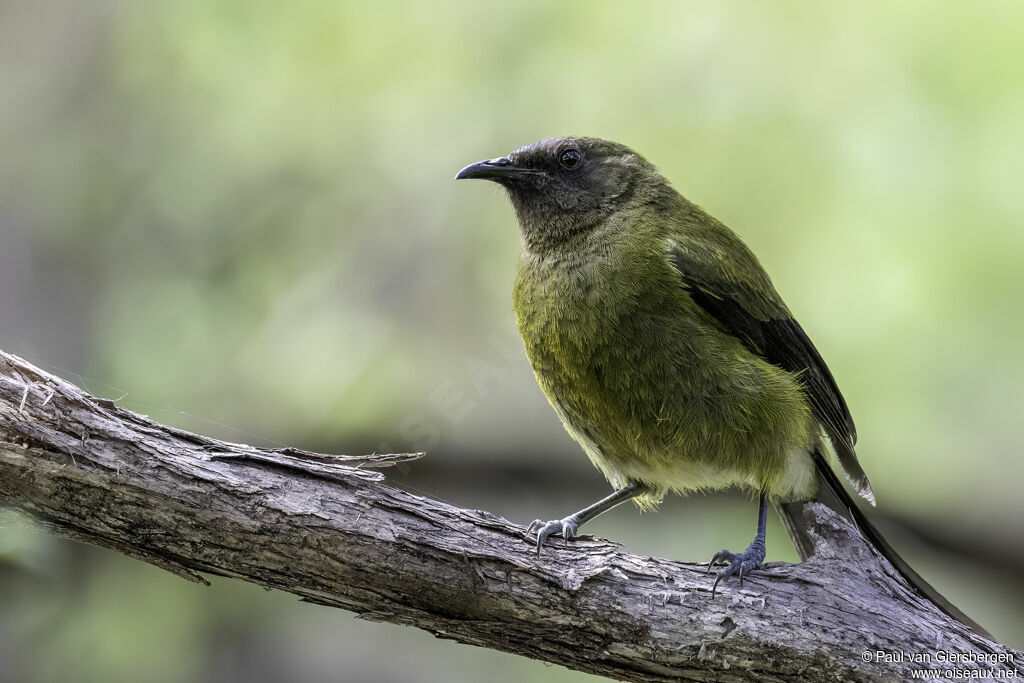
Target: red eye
570	158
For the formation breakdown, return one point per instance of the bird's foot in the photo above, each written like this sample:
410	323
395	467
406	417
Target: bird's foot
565	527
739	563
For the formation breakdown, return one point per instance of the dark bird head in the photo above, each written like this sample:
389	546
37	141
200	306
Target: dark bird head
561	187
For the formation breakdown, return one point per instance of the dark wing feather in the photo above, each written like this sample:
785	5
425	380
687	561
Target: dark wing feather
759	319
749	308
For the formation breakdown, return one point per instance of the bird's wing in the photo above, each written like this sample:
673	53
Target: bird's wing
724	278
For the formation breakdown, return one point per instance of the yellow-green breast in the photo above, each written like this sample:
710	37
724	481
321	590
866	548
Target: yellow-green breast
646	381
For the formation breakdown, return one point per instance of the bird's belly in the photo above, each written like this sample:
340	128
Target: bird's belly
659	396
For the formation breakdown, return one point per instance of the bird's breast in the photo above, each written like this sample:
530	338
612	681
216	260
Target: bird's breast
607	339
644	380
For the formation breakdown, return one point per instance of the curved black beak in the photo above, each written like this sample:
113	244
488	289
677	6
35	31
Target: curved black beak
492	169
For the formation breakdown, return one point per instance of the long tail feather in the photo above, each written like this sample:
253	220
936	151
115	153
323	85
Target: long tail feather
832	494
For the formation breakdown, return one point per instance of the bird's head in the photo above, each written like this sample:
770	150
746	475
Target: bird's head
561	187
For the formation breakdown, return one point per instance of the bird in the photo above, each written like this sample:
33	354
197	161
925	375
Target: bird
665	350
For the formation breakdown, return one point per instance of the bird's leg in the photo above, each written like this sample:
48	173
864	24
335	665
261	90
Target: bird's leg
568	526
749	559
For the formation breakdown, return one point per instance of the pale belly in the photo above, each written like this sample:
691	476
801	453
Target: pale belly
786	475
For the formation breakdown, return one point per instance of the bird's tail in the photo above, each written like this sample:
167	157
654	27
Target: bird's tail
832	493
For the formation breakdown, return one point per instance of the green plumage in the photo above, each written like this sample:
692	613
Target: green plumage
666	351
648	382
657	336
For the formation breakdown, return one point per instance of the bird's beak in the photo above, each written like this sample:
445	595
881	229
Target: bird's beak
492	169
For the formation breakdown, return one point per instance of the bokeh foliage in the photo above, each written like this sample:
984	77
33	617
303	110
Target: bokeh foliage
243	214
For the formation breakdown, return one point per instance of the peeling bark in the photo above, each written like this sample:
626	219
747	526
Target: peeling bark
328	529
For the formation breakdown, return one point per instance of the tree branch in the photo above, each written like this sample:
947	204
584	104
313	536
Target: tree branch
327	529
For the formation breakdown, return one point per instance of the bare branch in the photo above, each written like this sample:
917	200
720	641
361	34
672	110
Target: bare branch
327	529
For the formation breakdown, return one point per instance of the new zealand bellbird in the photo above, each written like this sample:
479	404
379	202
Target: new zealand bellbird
665	350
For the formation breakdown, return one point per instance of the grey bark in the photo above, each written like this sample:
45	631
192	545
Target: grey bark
329	530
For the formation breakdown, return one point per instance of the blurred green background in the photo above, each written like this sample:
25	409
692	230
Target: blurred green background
239	218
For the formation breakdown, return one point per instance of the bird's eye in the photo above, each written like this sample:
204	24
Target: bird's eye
570	158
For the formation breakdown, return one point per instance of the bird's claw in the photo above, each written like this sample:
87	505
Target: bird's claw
739	564
566	528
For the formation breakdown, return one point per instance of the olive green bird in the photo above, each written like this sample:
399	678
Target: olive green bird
662	345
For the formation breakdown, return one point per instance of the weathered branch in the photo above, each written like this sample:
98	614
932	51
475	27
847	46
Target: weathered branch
328	530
